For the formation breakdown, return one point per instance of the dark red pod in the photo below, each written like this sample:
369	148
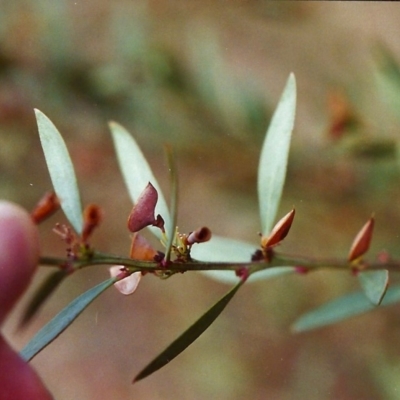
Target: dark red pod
142	213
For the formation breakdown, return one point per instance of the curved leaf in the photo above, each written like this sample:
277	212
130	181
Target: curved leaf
61	170
189	336
374	284
342	308
43	292
274	156
137	172
62	320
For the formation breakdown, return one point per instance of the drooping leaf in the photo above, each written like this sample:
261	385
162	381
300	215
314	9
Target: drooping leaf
62	320
136	171
221	249
342	308
189	336
43	292
374	284
274	156
61	170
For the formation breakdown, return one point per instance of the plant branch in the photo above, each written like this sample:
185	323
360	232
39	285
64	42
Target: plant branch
277	260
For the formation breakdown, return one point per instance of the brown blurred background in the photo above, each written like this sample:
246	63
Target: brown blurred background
205	77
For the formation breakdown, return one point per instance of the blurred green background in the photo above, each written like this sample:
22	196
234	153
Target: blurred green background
205	77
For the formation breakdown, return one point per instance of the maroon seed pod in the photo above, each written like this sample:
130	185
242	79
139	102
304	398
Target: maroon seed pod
200	235
142	213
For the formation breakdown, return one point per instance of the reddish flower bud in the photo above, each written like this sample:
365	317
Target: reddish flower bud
279	231
141	249
362	241
46	207
128	283
142	213
200	235
92	216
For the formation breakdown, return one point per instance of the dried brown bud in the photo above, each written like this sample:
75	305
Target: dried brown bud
46	207
362	241
142	213
279	231
92	216
200	235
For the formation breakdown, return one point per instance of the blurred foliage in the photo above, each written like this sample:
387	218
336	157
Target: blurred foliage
128	72
163	70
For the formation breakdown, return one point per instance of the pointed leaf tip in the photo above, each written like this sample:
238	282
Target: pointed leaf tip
61	170
62	320
274	156
189	336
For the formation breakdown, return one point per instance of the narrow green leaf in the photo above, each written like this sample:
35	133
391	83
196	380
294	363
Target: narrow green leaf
62	320
43	292
342	308
274	156
189	336
136	171
61	170
174	200
374	284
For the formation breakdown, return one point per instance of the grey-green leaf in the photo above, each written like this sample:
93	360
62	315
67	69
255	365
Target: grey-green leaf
221	249
43	292
61	170
342	308
274	156
137	172
374	284
62	320
189	336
